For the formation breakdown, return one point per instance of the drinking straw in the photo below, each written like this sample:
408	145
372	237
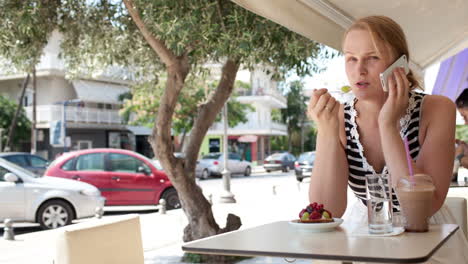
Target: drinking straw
408	159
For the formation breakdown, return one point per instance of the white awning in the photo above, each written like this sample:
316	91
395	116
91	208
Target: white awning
139	130
435	29
99	92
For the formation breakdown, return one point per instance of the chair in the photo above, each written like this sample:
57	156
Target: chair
457	206
115	240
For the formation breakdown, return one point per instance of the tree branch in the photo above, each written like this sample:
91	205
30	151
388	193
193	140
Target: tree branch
156	44
208	111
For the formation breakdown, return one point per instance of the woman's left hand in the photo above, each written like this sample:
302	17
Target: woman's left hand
397	101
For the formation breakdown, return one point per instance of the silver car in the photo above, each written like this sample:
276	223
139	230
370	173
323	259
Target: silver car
213	164
51	202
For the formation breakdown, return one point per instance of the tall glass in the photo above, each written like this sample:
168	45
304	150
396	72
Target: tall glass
415	197
379	204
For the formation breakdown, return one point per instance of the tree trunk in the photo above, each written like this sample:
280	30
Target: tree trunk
11	131
181	172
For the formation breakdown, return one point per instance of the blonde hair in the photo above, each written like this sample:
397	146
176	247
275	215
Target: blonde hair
385	29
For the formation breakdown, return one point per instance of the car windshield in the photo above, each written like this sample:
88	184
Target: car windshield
23	170
212	156
310	157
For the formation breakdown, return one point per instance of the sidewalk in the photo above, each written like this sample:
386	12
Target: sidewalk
266	208
162	234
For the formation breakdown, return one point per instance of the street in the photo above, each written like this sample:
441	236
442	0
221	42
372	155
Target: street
259	183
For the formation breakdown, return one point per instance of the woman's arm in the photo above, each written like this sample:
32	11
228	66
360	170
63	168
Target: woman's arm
328	182
437	137
436	155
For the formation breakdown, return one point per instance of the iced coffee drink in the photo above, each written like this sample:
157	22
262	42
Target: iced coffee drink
415	197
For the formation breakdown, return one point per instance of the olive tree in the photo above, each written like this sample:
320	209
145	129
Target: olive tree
179	38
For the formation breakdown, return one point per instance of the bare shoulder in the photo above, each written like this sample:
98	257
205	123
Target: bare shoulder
436	106
438	114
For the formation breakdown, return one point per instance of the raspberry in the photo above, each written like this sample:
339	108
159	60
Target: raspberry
315	215
314	205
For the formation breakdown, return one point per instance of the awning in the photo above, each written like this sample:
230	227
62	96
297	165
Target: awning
248	138
435	29
139	130
99	92
452	78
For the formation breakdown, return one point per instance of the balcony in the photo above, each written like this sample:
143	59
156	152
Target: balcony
271	97
75	115
251	128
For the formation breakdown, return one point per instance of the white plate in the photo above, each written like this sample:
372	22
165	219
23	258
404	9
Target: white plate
317	227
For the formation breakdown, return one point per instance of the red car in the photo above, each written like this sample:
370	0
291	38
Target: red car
123	177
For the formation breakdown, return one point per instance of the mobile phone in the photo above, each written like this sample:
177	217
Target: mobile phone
401	62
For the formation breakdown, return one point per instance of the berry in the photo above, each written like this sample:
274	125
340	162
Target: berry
325	214
314	205
320	208
302	212
315	215
309	209
305	216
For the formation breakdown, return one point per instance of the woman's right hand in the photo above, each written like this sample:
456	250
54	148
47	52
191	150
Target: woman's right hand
323	110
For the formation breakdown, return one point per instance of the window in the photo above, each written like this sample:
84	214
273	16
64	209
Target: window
85	144
125	163
19	160
234	156
68	166
38	162
90	162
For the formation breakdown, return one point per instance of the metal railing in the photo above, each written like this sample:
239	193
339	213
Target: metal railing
74	114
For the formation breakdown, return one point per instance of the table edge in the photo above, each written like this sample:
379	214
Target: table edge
186	247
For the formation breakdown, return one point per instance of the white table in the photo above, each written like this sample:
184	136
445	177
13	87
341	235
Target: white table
280	239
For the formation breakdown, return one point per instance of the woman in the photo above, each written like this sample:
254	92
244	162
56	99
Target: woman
365	136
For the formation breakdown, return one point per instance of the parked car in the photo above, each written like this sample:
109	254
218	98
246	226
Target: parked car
213	165
124	177
304	165
279	161
33	163
51	202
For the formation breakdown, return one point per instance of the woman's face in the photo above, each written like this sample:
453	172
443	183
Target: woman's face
364	64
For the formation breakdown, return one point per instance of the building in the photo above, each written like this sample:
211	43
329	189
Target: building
82	113
251	139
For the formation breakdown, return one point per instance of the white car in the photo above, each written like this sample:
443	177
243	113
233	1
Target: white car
212	164
51	202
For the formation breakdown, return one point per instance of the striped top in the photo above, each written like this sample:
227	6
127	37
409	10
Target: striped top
358	165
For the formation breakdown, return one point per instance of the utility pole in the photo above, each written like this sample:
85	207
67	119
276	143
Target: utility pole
33	125
226	196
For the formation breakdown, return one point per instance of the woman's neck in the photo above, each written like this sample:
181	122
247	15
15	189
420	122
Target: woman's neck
369	109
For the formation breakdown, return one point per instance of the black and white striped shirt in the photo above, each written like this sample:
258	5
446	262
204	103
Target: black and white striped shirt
358	165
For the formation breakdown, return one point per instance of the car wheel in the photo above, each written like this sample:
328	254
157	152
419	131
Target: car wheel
299	179
205	174
247	171
268	170
54	214
172	199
